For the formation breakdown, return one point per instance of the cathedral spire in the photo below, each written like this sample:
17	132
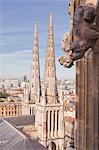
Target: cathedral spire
35	35
35	87
50	68
51	20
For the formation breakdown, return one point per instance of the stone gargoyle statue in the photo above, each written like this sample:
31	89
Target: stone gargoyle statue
86	32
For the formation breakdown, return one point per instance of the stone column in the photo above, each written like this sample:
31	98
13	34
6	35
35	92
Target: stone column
95	105
84	89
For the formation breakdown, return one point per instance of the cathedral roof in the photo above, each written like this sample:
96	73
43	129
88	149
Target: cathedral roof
11	138
21	120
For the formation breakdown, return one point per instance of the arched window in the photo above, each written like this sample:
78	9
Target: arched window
53	146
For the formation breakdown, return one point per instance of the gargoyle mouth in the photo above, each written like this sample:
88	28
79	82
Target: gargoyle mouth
68	65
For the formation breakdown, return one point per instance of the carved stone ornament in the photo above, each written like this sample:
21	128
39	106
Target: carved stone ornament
86	32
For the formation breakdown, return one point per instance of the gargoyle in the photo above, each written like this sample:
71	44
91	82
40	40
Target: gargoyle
84	28
74	52
66	60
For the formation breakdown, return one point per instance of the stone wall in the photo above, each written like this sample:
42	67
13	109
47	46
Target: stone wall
87	92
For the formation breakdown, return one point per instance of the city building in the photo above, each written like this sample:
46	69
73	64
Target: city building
69	132
10	109
9	83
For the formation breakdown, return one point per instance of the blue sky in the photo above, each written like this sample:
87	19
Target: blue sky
17	19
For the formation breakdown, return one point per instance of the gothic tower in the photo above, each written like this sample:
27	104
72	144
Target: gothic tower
32	91
50	109
50	69
35	88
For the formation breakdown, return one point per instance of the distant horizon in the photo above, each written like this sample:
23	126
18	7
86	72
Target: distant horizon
16	27
16	78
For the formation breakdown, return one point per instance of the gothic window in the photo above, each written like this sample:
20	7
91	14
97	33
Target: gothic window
50	119
29	97
30	110
15	112
46	96
57	120
54	122
47	121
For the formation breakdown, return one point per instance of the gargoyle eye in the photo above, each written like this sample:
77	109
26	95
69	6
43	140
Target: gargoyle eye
72	50
68	62
67	50
82	47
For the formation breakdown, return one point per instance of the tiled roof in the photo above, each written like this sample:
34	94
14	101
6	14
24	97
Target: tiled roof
21	120
13	139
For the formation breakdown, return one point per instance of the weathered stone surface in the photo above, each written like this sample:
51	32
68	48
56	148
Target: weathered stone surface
86	32
87	108
87	77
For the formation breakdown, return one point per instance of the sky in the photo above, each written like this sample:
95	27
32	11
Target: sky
17	18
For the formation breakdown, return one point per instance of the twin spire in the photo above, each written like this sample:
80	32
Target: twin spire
50	70
35	85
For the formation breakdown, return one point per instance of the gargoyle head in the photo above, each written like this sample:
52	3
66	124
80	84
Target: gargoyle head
67	59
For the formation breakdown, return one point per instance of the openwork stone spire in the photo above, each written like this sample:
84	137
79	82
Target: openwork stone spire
50	69
35	86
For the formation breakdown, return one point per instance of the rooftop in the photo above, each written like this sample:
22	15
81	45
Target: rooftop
11	138
21	120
